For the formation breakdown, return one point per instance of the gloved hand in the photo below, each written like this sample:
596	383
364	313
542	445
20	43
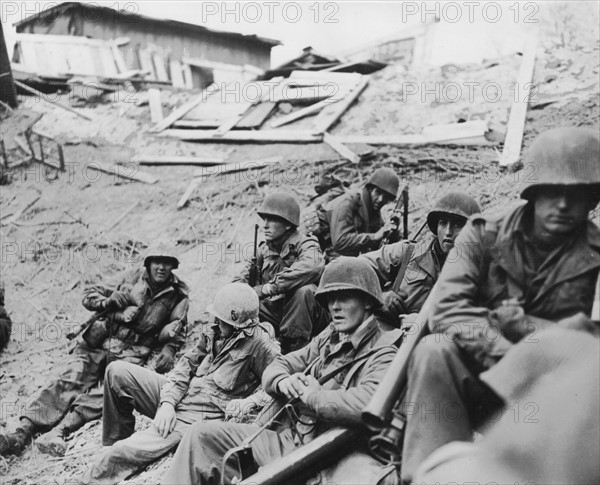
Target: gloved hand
165	361
393	307
509	319
238	408
116	301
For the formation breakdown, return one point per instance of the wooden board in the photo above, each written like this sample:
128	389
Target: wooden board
256	115
156	113
326	118
237	166
339	147
301	113
176	160
518	112
123	172
282	136
176	74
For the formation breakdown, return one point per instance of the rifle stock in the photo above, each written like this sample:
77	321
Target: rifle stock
378	413
301	463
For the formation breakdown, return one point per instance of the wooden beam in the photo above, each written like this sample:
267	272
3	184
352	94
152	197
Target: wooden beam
176	74
344	151
123	172
230	123
301	113
184	109
237	166
156	113
518	112
332	113
42	96
182	202
274	136
176	160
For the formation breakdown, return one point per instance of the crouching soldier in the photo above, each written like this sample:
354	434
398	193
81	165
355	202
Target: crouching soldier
354	344
227	364
288	266
354	219
145	314
532	268
409	270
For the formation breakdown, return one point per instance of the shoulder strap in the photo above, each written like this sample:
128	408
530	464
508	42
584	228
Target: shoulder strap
403	265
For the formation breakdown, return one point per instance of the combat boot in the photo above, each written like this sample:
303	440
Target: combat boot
15	443
53	442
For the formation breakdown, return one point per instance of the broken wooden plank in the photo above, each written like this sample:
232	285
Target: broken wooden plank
237	166
181	203
188	80
402	140
453	131
518	112
326	118
156	113
301	113
282	136
159	67
339	147
184	109
176	160
231	122
127	172
42	96
176	74
256	115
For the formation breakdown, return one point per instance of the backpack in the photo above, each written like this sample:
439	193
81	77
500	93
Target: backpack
314	217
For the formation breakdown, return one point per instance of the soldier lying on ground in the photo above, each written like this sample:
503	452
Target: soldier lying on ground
351	292
549	430
146	313
354	219
419	264
289	265
227	364
5	322
507	278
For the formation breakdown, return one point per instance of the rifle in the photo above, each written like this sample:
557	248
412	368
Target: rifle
395	218
85	325
378	415
253	273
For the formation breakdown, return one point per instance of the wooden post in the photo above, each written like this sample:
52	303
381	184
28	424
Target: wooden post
8	91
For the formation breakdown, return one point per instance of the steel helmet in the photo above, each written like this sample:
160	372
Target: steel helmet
346	273
455	204
385	179
235	304
162	249
283	205
564	156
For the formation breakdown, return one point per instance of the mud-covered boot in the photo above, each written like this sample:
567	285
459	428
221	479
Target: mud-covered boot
53	442
15	443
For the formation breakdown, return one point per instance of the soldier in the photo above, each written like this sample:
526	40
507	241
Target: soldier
355	224
420	264
507	278
351	292
146	313
289	264
5	322
227	364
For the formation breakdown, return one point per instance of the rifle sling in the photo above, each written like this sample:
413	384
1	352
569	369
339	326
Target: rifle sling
403	266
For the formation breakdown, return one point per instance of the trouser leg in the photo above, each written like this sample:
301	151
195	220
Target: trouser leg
302	315
199	456
82	372
444	399
129	455
128	387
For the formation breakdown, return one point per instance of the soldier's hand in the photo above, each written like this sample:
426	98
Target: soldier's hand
293	386
129	313
580	321
165	419
393	307
312	385
238	408
117	300
169	331
164	363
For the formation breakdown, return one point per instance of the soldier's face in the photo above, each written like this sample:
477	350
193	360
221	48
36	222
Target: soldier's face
226	329
447	230
379	198
160	270
348	310
274	227
560	210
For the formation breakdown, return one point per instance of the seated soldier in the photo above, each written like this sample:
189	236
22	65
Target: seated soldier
146	313
508	277
549	430
419	264
227	364
354	219
5	322
351	292
289	264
